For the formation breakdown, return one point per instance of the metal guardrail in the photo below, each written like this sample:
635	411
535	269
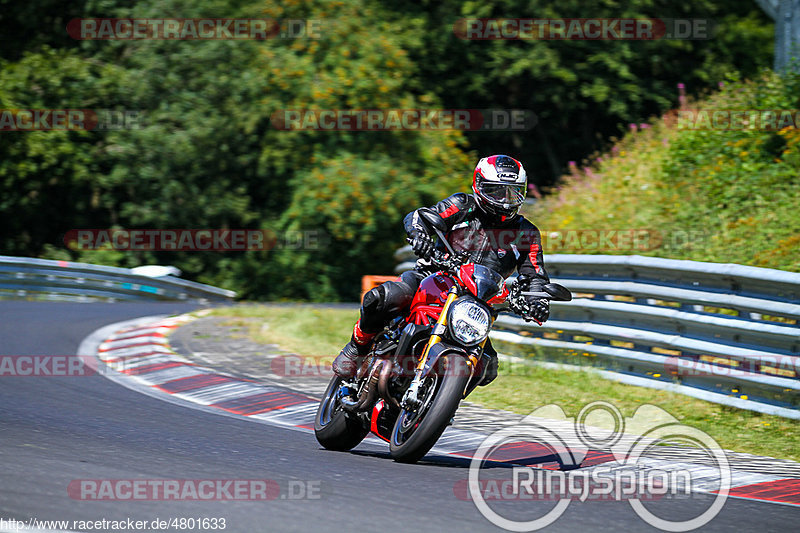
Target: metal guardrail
25	277
728	329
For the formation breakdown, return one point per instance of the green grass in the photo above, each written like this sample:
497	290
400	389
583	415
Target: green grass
296	328
522	388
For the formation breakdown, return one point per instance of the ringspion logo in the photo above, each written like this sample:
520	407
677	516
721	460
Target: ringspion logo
633	473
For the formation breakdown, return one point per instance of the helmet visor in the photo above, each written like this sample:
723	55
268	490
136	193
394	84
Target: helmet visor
502	193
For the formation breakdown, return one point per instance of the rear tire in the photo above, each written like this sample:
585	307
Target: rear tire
412	439
335	428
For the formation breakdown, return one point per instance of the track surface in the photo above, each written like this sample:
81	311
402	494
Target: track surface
55	430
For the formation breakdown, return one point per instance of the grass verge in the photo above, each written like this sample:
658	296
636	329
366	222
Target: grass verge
522	388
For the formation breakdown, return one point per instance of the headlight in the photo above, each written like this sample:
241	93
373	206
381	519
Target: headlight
468	321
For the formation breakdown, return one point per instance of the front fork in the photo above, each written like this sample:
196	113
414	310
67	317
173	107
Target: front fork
411	400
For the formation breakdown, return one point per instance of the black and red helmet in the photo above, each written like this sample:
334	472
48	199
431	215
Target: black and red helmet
500	183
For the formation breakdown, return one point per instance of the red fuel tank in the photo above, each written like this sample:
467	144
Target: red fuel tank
432	290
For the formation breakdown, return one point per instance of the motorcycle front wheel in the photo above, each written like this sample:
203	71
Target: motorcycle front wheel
415	432
335	428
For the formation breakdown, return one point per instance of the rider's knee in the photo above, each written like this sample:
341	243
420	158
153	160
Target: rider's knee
373	299
386	301
397	296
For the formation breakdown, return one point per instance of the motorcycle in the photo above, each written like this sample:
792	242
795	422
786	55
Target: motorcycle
422	365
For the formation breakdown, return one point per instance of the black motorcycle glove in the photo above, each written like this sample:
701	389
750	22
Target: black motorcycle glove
539	309
422	244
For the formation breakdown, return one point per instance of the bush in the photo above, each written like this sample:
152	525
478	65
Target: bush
733	193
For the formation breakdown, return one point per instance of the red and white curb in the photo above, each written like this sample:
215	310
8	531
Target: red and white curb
137	354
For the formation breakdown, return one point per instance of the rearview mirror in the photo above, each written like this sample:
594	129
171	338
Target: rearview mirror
558	292
432	220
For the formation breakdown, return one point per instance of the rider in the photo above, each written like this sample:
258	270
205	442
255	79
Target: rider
485	225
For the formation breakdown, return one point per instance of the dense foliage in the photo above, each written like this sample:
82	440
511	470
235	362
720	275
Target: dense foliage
207	156
710	195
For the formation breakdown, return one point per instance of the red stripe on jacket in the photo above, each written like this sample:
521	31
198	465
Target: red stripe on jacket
450	211
535	248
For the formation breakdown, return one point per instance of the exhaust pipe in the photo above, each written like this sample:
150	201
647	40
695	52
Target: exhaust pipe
383	384
367	396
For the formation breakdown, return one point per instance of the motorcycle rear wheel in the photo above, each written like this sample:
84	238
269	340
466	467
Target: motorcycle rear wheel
335	428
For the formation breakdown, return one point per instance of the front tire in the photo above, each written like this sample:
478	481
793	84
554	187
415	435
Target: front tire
415	433
335	428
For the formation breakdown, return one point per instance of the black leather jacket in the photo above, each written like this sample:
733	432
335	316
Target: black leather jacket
503	246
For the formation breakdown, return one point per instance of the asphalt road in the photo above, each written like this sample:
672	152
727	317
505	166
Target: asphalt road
54	430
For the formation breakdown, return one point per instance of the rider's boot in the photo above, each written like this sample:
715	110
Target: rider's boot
352	355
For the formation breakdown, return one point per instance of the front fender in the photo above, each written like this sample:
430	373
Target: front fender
412	334
441	348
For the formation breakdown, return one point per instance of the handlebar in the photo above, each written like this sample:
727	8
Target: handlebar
517	300
446	261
